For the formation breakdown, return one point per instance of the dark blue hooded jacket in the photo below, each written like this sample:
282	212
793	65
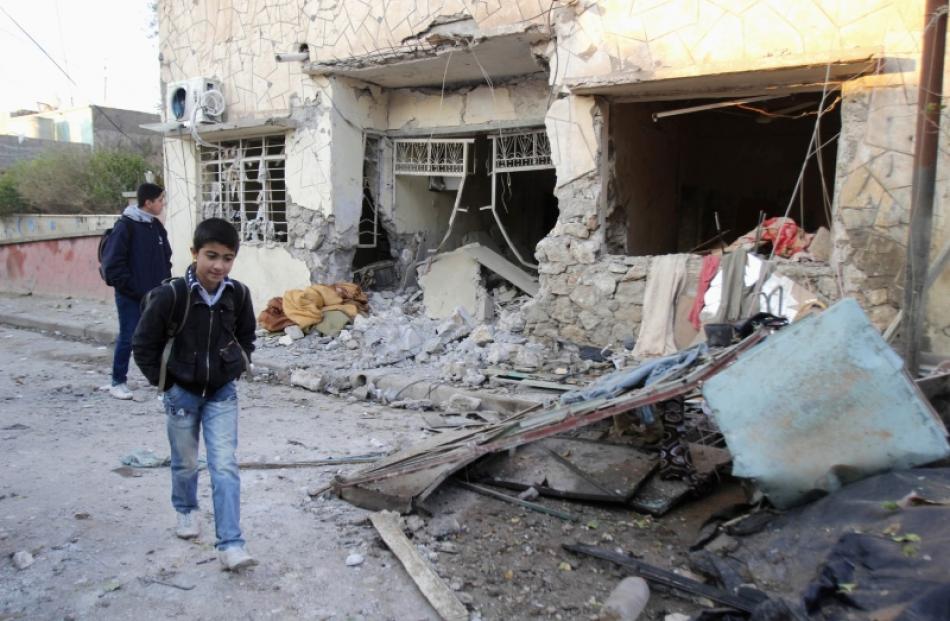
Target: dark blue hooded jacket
136	256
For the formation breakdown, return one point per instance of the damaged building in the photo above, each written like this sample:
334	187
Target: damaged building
564	147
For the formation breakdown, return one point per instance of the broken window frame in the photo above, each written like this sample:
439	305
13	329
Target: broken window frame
228	159
433	168
534	153
371	142
432	157
536	160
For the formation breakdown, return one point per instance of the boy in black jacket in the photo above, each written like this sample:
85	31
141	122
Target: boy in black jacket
194	340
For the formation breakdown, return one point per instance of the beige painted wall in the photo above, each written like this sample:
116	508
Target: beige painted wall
674	38
235	41
268	272
414	109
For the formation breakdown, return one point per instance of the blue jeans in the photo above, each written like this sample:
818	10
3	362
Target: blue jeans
186	413
129	313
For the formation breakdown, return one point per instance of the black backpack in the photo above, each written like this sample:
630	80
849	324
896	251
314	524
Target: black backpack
102	247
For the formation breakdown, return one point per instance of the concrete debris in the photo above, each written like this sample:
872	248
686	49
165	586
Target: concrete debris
482	335
529	494
443	526
22	559
627	601
396	334
415	523
294	332
306	378
354	560
463	403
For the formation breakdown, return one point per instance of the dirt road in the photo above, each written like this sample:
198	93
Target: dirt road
103	544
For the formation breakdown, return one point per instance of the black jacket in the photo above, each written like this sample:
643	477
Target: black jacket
213	347
136	257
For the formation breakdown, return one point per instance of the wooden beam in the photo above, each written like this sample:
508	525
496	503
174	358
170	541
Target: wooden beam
432	586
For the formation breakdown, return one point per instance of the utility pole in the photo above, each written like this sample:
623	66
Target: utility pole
929	97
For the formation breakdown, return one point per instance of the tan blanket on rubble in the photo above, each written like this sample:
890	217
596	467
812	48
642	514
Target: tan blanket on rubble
305	307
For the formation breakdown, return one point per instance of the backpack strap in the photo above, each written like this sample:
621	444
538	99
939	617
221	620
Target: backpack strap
173	328
244	293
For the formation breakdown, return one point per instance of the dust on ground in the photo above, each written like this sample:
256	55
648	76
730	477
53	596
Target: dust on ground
104	546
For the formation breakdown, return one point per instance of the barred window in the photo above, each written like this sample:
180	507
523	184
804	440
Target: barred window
243	181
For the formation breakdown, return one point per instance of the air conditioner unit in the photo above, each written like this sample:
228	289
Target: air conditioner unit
196	99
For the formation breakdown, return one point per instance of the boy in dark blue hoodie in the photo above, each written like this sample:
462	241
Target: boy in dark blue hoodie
136	258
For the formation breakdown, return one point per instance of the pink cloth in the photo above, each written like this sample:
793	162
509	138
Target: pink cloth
706	274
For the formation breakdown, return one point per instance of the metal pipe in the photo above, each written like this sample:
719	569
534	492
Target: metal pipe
713	106
924	176
289	57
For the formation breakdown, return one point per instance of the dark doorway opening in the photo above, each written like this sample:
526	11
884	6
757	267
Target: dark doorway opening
678	181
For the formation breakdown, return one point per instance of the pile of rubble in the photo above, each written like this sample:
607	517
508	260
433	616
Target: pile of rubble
397	334
662	433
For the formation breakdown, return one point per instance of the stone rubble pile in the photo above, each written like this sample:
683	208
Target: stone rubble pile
397	333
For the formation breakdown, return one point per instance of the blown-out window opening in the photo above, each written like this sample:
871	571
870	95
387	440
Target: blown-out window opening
244	182
368	230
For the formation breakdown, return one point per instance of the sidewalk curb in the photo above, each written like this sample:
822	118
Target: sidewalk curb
437	392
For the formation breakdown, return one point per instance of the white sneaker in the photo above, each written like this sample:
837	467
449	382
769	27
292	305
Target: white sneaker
120	391
188	525
235	558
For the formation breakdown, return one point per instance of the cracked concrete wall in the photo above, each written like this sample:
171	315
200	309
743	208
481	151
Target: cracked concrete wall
873	200
236	40
411	109
679	38
596	41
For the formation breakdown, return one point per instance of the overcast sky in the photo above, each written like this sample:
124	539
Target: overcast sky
106	46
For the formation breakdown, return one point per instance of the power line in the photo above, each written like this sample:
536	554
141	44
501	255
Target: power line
68	77
41	48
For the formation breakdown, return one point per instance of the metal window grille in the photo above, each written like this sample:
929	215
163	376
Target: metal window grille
368	230
244	182
522	151
445	158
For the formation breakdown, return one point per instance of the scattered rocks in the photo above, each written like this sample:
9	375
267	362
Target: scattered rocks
529	494
22	560
294	332
442	526
355	559
722	544
415	523
626	601
463	403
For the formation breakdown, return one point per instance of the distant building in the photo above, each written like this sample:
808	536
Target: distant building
96	126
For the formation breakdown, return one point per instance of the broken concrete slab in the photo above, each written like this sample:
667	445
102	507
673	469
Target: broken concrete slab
453	279
493	261
821	403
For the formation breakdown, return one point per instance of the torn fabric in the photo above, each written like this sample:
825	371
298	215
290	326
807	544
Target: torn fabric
664	283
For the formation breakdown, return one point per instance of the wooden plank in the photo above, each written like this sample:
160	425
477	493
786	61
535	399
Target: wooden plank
532	383
432	586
